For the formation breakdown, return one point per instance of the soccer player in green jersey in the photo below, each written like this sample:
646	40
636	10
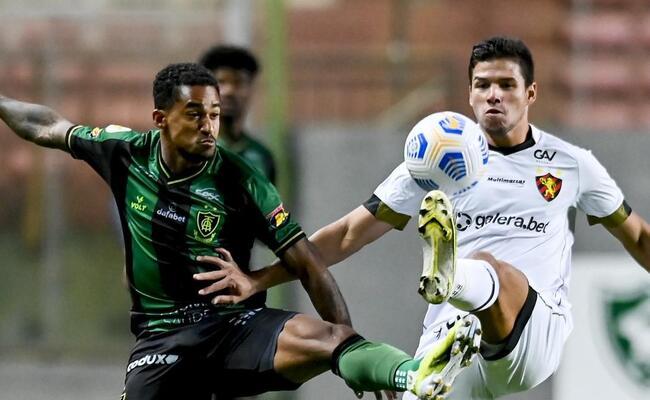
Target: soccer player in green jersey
235	69
180	196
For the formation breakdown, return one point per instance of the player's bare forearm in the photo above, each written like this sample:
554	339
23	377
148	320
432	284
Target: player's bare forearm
347	235
273	275
302	261
334	242
640	250
33	122
634	234
327	241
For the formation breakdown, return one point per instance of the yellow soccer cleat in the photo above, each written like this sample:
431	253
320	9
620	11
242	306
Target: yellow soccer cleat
434	378
437	227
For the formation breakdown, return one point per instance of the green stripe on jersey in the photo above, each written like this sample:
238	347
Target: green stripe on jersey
172	219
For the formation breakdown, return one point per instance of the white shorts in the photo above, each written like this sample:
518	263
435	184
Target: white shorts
534	357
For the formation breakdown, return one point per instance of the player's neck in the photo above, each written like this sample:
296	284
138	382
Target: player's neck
514	137
176	164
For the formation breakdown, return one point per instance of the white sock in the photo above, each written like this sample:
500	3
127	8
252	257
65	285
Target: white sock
476	285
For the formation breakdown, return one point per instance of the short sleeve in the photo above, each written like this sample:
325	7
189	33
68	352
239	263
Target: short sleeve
599	196
278	230
99	147
397	198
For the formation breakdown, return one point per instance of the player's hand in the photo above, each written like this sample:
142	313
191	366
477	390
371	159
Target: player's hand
240	286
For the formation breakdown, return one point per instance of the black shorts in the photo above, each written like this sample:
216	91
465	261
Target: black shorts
228	356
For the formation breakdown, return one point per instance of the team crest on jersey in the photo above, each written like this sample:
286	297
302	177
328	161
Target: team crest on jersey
278	217
549	186
207	223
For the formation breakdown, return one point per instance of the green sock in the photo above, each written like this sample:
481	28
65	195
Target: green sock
367	367
402	372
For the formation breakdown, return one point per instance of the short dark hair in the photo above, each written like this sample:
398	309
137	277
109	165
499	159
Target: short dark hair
504	47
168	79
230	56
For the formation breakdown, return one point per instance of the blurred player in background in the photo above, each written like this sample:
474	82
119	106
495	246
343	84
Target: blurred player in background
180	196
235	69
513	231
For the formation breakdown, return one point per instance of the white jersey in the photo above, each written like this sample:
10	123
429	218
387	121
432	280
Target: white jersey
520	211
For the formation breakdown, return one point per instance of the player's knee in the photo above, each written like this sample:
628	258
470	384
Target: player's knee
505	272
322	331
487	257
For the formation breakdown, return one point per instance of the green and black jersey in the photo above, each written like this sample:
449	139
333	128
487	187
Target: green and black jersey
167	221
254	152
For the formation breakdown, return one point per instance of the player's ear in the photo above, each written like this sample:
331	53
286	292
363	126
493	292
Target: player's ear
531	92
159	118
469	95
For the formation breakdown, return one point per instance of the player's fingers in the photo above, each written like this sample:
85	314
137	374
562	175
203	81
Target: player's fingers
222	284
210	275
212	260
226	254
225	299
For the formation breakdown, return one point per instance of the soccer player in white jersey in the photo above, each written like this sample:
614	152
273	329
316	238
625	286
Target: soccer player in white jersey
513	232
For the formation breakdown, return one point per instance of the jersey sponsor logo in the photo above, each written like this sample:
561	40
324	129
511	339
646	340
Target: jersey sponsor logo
278	217
549	186
170	213
207	223
138	205
464	221
544	155
152	359
626	314
209	194
510	181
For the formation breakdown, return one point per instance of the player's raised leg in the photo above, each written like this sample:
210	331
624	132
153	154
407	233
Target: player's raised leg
493	290
308	347
437	229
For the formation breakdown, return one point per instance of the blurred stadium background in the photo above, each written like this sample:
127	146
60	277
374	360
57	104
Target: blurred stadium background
342	82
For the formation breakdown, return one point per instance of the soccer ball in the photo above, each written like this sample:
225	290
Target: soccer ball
446	151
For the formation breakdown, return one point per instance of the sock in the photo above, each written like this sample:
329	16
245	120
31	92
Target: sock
366	366
402	372
476	285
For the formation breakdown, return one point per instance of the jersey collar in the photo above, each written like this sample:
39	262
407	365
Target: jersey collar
172	179
529	142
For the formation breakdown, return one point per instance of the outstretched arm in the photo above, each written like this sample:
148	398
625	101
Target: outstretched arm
301	261
33	122
334	243
634	233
